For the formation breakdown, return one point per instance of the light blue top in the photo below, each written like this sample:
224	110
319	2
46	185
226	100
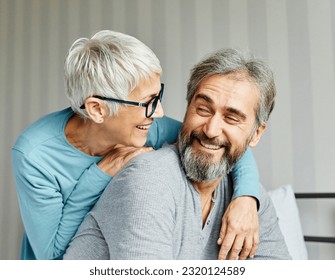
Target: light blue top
57	184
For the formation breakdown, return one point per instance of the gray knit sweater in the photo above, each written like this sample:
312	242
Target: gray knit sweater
152	211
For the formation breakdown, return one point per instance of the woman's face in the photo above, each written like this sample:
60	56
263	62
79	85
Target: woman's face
130	127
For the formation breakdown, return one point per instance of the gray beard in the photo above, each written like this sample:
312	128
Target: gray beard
199	166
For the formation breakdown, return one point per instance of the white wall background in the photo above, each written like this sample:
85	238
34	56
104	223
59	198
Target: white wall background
297	38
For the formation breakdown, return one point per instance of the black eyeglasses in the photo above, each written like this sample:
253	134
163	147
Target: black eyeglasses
150	106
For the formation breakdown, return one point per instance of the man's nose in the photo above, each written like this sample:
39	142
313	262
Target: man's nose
213	127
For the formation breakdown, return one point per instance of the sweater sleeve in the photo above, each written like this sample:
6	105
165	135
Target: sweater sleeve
49	220
245	176
163	130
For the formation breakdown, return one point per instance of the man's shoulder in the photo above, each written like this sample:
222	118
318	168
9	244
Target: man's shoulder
151	175
165	158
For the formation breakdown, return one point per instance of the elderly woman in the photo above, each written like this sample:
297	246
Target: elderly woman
63	162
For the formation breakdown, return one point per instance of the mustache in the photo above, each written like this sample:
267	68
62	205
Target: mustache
200	136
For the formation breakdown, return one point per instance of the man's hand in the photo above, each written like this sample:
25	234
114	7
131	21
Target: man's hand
117	158
239	231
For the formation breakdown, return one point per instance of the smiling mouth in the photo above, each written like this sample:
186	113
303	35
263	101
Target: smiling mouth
210	146
143	127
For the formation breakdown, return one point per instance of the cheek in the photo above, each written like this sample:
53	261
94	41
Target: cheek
235	136
193	121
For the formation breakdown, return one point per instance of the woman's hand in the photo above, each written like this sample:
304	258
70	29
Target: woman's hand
239	236
117	158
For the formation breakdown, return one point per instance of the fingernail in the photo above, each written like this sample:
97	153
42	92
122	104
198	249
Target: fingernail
219	241
251	257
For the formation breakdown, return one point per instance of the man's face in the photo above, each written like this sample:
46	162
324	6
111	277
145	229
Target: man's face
218	126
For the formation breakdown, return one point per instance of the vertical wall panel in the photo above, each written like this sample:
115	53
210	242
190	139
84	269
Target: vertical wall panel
54	90
301	95
172	74
118	18
106	14
84	19
221	24
63	46
281	122
322	84
43	57
4	30
332	17
33	91
158	29
203	27
13	111
73	14
188	41
144	22
302	101
94	15
131	16
238	27
257	30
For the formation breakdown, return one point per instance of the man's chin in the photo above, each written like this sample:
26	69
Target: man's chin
208	157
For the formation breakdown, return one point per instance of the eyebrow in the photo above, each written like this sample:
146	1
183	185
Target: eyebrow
228	109
204	97
236	112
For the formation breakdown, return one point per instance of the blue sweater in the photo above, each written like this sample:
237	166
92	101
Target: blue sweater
57	185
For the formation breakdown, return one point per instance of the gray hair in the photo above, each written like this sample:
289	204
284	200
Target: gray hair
233	62
110	64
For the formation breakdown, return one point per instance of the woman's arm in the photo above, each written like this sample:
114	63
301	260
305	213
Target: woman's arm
50	220
246	178
163	130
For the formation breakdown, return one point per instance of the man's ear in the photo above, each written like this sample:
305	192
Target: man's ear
257	135
96	109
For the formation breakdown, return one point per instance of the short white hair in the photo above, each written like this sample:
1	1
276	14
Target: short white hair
110	64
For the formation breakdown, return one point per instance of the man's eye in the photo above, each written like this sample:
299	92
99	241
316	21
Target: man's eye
203	111
231	119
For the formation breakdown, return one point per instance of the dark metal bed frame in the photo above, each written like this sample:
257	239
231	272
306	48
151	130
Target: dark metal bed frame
314	196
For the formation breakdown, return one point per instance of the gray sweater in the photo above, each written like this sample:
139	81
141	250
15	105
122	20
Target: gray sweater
152	211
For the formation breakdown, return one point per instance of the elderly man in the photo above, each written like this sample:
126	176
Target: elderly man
168	204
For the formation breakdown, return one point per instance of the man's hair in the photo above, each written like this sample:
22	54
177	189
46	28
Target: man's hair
110	64
237	65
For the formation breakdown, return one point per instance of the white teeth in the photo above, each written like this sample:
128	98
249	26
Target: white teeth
209	146
144	127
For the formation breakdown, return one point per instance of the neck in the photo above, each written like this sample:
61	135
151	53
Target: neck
206	190
85	135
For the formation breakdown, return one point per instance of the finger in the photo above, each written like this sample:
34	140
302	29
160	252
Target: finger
247	245
236	248
222	232
227	243
254	245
